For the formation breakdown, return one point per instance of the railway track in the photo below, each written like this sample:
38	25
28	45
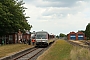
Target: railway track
83	45
32	54
29	55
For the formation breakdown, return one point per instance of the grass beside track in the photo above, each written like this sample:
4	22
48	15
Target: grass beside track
7	50
79	53
60	50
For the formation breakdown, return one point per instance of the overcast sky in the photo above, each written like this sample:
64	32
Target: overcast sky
58	16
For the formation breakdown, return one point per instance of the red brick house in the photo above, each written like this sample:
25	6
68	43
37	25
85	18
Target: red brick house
26	36
76	36
13	38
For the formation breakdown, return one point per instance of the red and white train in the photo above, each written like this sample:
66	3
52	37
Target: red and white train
43	38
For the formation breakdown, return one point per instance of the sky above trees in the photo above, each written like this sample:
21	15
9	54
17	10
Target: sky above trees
58	16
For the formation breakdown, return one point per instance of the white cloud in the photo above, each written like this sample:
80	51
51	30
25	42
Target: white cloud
46	15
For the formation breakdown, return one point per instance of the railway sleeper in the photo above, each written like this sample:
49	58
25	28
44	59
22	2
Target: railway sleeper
87	43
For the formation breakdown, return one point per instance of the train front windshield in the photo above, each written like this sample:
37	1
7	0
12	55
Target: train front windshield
41	35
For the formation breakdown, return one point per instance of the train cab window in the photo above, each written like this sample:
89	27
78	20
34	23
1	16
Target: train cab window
41	36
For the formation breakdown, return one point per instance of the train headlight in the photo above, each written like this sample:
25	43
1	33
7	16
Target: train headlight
43	41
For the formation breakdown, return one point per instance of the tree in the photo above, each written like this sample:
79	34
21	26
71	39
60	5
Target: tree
81	31
12	17
57	36
62	35
87	31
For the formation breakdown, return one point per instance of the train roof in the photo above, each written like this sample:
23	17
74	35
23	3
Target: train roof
42	31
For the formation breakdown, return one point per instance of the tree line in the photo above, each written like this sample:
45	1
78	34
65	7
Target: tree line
12	17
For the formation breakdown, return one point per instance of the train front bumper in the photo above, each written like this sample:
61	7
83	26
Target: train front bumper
41	43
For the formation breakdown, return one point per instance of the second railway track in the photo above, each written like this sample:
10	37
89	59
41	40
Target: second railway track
83	45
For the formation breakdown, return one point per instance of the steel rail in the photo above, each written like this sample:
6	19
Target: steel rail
35	54
25	54
77	44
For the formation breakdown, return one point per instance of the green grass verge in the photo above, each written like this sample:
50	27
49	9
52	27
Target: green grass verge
60	50
79	53
6	50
